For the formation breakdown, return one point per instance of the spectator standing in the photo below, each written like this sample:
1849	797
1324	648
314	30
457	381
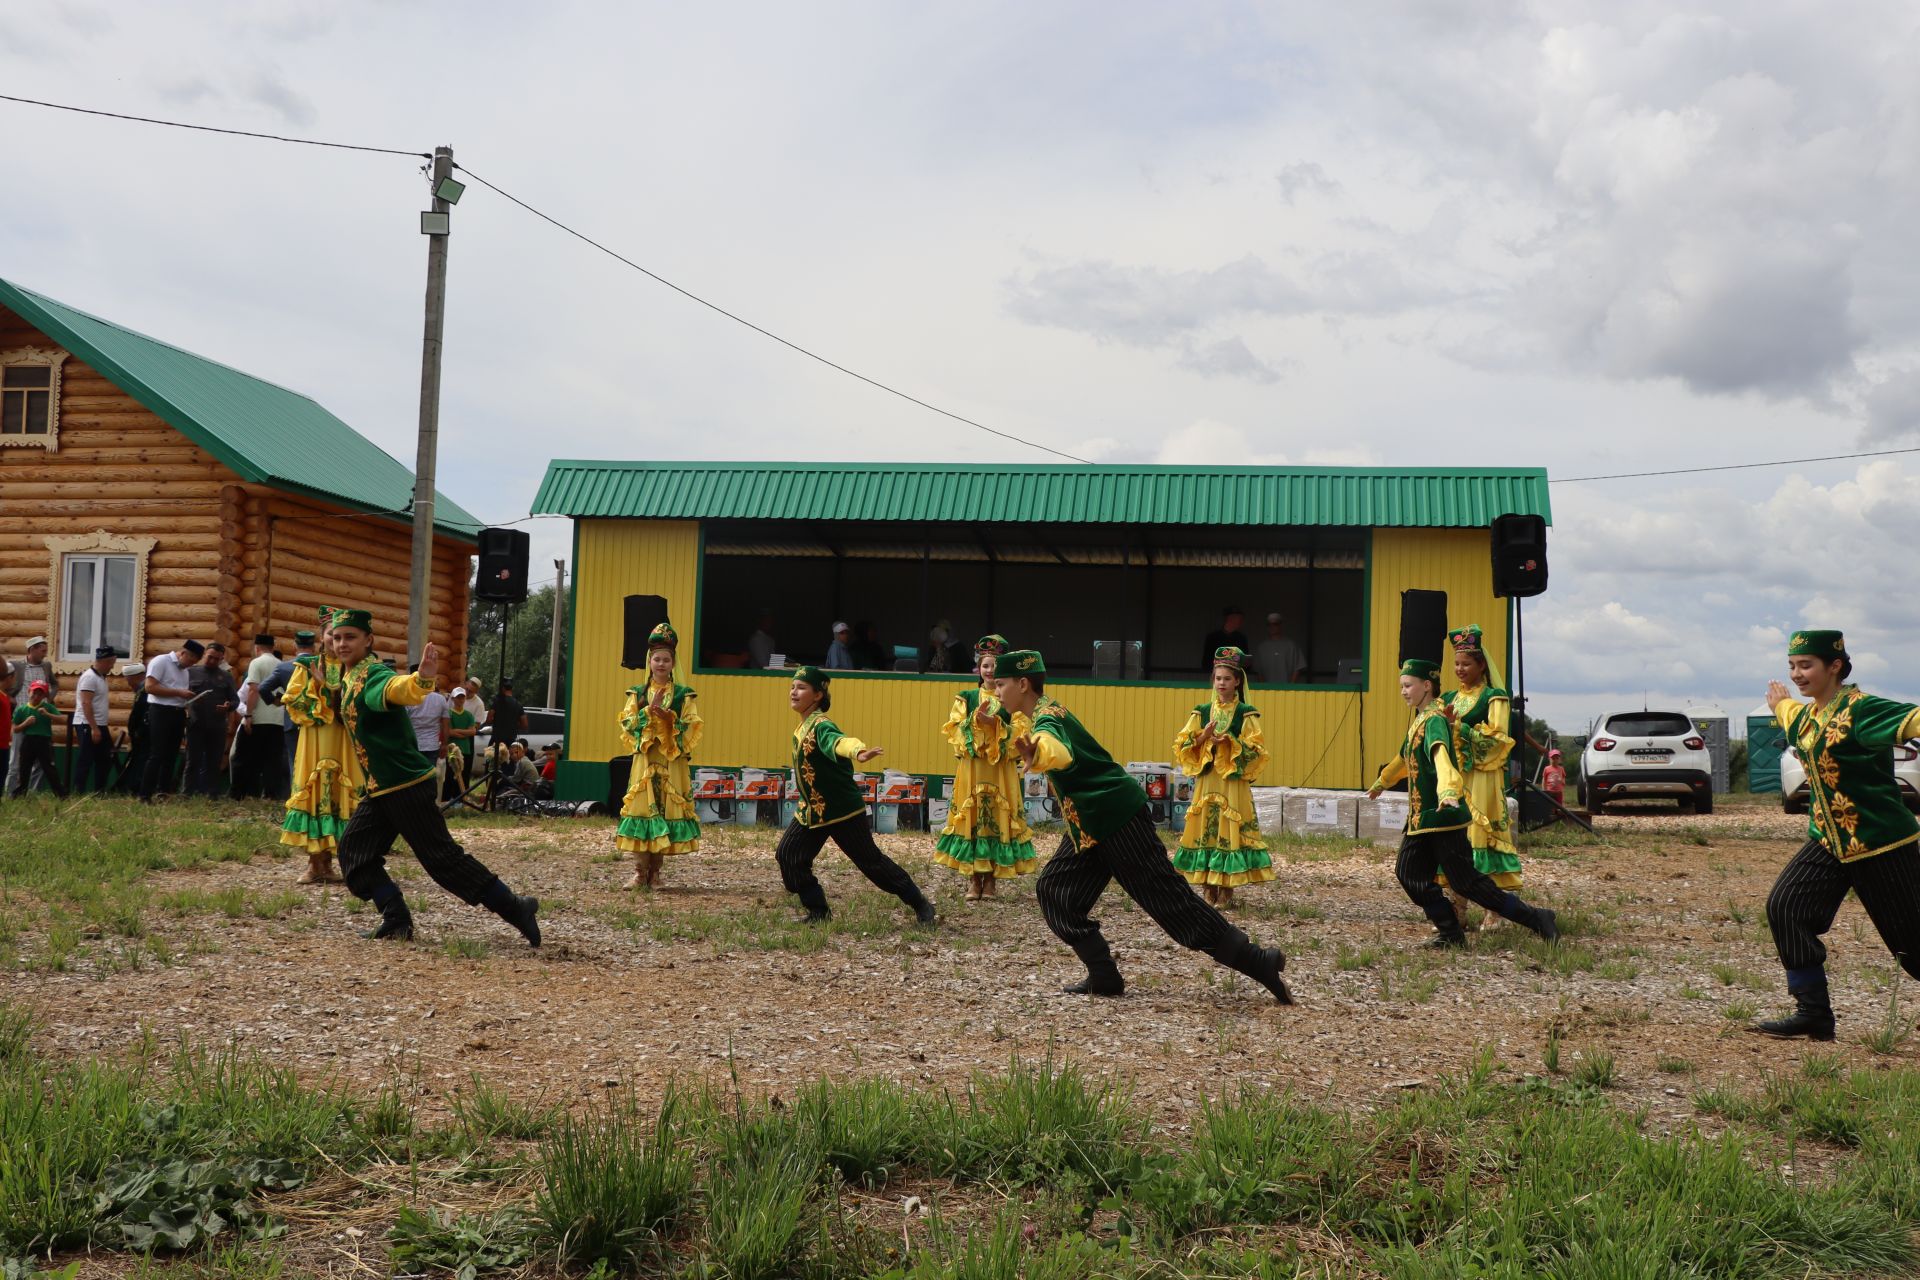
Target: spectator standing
275	688
429	717
6	721
167	689
1229	635
761	643
476	703
209	713
1279	660
34	725
36	667
131	774
90	721
840	652
462	727
260	767
509	718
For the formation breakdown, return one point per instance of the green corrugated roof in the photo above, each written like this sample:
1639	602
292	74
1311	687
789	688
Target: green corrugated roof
265	433
1369	497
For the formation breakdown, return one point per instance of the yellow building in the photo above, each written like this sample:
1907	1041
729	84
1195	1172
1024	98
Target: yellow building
1117	573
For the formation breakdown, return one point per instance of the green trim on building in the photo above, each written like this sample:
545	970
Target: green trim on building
1350	497
264	433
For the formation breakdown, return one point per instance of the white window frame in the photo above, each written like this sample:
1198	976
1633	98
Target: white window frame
55	359
97	546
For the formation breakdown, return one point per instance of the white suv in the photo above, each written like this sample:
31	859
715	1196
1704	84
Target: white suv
1636	754
1793	777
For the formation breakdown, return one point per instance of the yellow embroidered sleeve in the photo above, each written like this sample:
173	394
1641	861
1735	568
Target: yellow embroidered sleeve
1911	729
1391	772
630	718
1493	741
1253	755
955	730
405	691
847	748
1446	776
691	725
1788	715
1049	754
294	700
1186	752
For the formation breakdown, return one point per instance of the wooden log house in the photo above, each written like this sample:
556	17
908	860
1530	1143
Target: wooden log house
148	495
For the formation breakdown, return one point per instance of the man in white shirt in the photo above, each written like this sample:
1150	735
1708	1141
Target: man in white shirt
430	727
167	697
90	721
260	757
1279	660
476	703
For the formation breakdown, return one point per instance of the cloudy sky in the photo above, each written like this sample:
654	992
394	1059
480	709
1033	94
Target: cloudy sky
1596	238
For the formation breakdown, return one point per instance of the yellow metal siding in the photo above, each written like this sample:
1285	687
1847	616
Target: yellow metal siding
1315	736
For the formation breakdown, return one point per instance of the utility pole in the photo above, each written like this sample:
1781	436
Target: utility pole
420	597
559	628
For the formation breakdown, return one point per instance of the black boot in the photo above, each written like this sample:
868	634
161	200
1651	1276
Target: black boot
1103	975
1448	939
816	915
924	912
396	922
1262	964
1812	1017
1546	924
517	910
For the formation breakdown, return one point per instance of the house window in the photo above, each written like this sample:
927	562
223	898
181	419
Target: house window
30	397
98	596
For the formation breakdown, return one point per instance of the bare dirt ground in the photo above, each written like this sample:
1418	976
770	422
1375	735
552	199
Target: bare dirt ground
1667	957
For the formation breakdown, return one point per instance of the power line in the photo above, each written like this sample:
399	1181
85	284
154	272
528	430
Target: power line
765	333
1735	466
207	128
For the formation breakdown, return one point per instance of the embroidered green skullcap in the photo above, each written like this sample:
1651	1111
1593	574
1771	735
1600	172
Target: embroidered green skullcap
1230	655
994	644
1020	662
324	614
813	676
1467	639
362	619
663	637
1421	669
1828	646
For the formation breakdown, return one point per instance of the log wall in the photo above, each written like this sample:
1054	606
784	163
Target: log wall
230	558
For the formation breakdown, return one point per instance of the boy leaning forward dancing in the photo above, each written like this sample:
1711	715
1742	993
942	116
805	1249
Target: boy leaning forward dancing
400	799
1110	836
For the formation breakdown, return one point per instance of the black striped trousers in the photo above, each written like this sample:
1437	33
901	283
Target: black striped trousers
799	846
1074	878
1814	883
409	814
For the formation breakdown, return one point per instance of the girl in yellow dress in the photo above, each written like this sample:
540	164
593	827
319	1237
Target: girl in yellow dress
1222	749
327	778
661	726
986	835
1483	737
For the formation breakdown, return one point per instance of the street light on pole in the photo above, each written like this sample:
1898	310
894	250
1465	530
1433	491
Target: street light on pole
436	224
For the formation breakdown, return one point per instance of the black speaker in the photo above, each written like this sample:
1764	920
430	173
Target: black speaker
642	615
1423	625
1519	555
619	778
503	565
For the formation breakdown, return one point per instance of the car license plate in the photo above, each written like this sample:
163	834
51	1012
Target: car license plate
1645	756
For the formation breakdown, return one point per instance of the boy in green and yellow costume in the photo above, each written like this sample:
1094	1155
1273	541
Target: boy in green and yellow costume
326	773
986	834
400	800
661	726
831	806
1223	750
1861	837
1110	836
1438	817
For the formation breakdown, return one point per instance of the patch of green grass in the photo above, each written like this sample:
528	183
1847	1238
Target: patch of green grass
1347	959
1617	970
1033	1122
486	1113
1596	1070
1740	1011
862	916
463	1244
462	947
1667	1064
612	1182
867	1129
1732	975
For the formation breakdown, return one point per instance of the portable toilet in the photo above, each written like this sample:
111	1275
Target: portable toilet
1711	722
1765	741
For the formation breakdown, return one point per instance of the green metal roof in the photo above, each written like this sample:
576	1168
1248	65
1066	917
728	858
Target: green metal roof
1369	497
264	433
